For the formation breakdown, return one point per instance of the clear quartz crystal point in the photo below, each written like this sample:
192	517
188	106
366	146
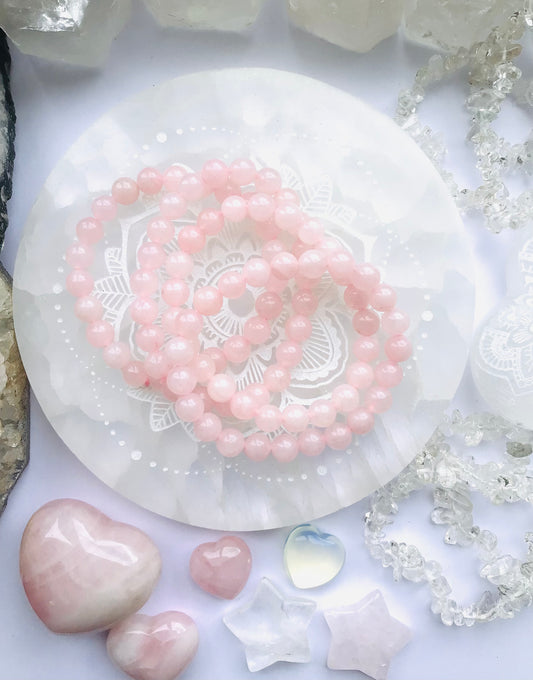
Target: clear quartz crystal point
452	24
357	25
74	31
226	15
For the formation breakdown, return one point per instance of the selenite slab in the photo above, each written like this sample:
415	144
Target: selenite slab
355	170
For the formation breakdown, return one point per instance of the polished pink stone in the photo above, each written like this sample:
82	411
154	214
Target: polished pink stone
221	568
81	570
153	647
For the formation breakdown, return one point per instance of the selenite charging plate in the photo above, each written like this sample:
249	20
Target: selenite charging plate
355	170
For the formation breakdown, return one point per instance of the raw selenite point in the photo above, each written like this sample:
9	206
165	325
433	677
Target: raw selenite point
81	570
311	557
272	628
230	15
357	25
221	568
153	647
365	637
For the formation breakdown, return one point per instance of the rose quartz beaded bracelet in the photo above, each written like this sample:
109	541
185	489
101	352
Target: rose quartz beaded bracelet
295	254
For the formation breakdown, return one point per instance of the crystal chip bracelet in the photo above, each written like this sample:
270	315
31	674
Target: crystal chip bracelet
295	251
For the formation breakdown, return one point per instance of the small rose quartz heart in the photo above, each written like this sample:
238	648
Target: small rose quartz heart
81	570
221	568
153	647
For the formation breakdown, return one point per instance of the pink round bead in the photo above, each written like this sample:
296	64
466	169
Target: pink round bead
134	374
398	348
284	448
284	265
259	394
341	266
338	436
175	292
117	355
311	442
144	282
261	207
304	302
257	330
257	446
211	221
88	308
236	349
322	413
150	255
224	409
365	322
242	172
144	310
285	195
157	365
218	357
221	387
181	380
365	277
298	328
192	187
89	231
395	322
355	298
160	230
267	231
189	408
345	398
205	367
232	284
268	418
312	264
234	208
215	173
100	333
378	399
104	208
191	239
172	205
311	232
79	256
243	406
276	378
178	264
208	427
383	298
79	283
269	305
360	421
222	193
289	217
149	338
207	300
150	181
125	190
366	348
272	248
173	176
295	418
170	320
388	374
256	272
288	353
268	181
180	351
360	375
230	442
330	245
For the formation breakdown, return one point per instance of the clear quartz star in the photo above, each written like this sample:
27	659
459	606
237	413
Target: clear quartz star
365	637
272	628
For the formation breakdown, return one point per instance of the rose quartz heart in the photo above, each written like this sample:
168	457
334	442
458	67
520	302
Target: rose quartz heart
81	570
153	647
222	568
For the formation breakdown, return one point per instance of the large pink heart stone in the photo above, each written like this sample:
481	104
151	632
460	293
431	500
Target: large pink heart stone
81	570
221	568
153	647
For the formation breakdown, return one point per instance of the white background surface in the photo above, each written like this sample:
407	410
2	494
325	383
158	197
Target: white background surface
54	105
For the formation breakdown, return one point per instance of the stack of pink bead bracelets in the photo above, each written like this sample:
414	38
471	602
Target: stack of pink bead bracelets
295	254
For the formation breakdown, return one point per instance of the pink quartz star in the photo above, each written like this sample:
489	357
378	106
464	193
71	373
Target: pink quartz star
365	637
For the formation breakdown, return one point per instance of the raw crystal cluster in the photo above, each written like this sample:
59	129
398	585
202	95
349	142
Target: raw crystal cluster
230	15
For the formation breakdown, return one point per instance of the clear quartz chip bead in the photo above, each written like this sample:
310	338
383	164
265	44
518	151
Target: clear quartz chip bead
226	15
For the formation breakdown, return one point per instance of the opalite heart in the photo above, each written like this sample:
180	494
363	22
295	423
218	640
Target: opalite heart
311	557
153	647
81	570
221	568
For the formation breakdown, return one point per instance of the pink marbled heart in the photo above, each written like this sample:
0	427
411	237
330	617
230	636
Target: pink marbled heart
221	568
81	570
153	647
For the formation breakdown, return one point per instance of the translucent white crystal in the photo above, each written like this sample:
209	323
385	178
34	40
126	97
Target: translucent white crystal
455	23
230	15
357	25
75	31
